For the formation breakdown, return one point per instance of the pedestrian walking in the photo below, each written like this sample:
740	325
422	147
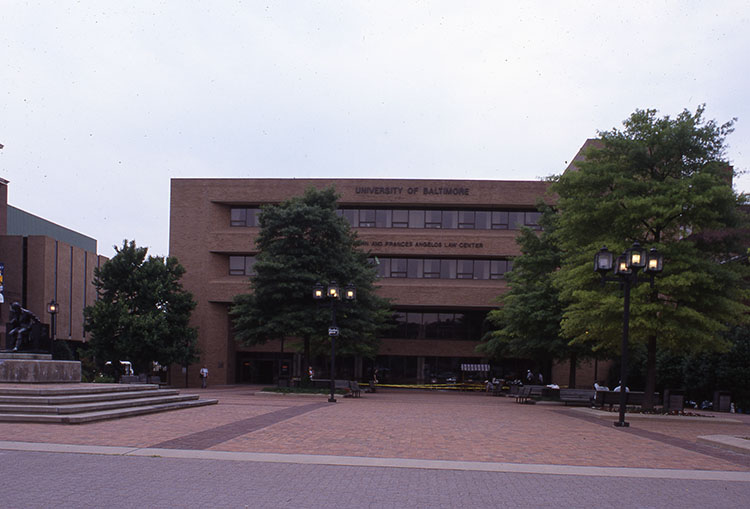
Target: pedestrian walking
204	377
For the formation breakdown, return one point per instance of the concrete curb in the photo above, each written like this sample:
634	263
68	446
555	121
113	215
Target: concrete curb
736	444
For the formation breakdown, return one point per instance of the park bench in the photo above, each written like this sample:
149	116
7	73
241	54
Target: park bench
527	393
611	398
576	396
354	390
523	394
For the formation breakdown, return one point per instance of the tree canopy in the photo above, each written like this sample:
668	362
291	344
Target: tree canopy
142	313
527	325
665	183
303	241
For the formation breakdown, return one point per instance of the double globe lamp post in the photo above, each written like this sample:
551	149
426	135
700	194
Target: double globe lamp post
626	269
333	295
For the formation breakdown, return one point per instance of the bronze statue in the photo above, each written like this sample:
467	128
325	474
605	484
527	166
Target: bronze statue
20	322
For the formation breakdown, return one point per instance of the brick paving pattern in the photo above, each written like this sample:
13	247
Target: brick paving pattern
401	424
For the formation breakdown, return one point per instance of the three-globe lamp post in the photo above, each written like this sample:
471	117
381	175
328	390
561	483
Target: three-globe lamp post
333	294
626	269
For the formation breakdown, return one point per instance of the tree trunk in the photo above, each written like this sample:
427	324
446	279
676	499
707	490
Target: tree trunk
572	372
650	388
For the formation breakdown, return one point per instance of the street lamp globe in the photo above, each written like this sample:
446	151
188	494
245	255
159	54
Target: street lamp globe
636	256
603	260
333	290
654	261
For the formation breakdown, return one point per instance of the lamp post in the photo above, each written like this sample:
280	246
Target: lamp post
626	269
52	309
333	294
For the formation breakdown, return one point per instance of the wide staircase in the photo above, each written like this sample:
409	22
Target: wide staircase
81	403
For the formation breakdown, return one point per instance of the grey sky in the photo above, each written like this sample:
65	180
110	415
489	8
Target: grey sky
103	102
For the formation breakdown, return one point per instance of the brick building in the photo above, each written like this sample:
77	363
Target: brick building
43	262
442	250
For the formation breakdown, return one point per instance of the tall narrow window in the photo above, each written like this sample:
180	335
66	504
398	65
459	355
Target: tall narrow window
481	269
367	218
482	220
516	220
416	219
414	268
466	219
383	219
498	268
352	217
532	220
432	269
465	269
384	267
447	269
400	219
252	217
450	219
499	220
238	216
399	267
433	219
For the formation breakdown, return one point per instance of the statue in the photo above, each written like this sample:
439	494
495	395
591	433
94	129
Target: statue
20	323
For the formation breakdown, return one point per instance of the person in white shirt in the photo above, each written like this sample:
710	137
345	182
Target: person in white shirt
598	387
617	389
204	377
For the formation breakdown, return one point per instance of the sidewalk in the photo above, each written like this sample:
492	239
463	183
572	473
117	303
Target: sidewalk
411	425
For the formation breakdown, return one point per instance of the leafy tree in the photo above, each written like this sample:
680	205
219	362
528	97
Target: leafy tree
663	182
303	241
528	323
143	313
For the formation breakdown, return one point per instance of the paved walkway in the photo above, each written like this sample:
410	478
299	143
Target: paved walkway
411	425
401	431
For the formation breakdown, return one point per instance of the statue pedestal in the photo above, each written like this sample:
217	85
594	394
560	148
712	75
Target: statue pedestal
19	367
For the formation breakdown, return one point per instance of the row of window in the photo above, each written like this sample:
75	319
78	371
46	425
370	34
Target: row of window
400	218
436	268
443	219
412	268
438	325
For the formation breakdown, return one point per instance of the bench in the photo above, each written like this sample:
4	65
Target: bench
354	390
577	396
523	394
611	398
527	393
349	387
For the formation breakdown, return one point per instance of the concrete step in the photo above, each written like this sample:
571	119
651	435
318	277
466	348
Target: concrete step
83	398
116	413
63	390
94	406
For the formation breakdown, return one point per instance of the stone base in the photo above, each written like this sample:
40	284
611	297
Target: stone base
37	368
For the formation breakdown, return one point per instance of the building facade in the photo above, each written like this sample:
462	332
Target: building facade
441	248
44	262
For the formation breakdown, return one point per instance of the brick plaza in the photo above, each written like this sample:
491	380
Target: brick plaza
416	425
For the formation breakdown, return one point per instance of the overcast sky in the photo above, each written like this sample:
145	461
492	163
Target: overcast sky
103	102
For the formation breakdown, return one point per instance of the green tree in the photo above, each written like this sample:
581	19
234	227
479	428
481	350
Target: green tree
143	313
303	241
663	182
527	325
